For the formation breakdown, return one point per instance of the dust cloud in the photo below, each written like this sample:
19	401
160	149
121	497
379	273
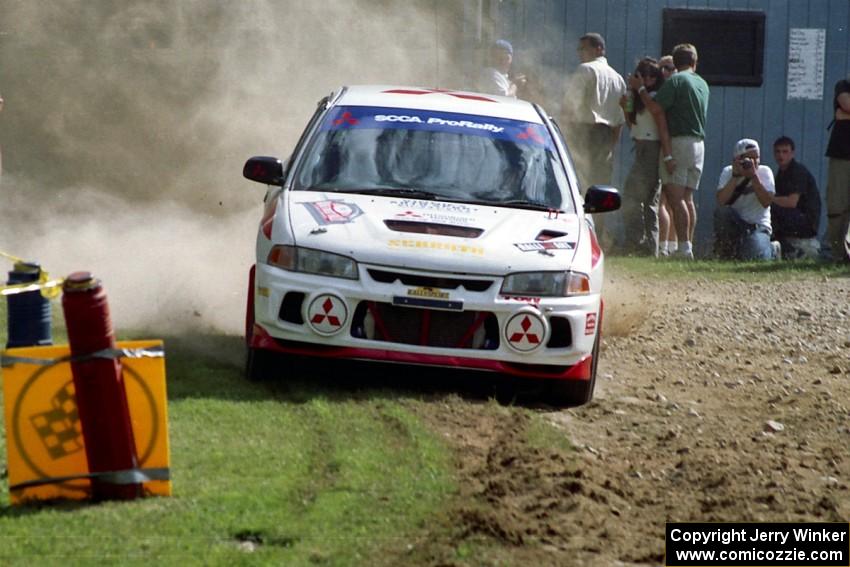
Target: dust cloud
126	126
628	305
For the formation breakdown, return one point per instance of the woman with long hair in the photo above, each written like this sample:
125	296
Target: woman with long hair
642	188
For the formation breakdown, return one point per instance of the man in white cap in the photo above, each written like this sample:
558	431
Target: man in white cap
742	218
496	78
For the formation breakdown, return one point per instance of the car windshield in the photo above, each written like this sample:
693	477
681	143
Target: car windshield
435	155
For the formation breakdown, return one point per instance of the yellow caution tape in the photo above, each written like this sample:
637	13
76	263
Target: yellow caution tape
10	257
50	289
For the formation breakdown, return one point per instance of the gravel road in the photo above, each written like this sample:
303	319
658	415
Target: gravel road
716	401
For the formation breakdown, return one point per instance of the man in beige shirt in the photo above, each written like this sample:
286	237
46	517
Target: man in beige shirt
592	117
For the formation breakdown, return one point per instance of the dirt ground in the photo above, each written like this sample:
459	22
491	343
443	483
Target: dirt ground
715	401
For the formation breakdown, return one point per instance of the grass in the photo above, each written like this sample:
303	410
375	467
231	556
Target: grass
725	270
542	434
287	473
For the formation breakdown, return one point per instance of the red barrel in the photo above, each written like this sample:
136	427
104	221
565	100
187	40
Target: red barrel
99	386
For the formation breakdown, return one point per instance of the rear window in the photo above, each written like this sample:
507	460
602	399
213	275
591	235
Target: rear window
456	156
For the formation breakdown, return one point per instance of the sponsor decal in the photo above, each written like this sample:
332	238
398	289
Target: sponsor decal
410	243
435	217
524	332
530	300
545	245
333	211
442	122
384	118
415	206
428	292
590	324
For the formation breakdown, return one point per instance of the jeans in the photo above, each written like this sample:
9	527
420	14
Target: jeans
640	200
790	223
738	239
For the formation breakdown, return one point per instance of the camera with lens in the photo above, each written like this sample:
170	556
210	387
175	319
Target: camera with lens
746	163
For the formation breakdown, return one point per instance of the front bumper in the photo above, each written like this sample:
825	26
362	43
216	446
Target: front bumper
386	316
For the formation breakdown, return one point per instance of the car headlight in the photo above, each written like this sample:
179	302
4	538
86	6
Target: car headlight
309	261
552	284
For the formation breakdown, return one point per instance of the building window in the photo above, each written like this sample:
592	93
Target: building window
730	43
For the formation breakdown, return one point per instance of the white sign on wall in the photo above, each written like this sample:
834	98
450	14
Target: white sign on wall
806	53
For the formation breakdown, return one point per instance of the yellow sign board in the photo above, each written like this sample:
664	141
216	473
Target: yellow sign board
44	441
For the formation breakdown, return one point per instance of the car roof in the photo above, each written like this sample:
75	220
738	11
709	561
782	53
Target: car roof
446	100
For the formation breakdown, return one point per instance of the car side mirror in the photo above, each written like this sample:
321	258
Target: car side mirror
601	199
268	170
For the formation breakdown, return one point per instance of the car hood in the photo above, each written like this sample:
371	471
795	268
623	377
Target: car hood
433	235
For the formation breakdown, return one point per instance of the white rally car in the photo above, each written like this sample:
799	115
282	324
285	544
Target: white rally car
430	227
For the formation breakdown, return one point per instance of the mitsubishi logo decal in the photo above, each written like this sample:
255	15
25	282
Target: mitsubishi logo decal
327	307
327	314
530	134
525	331
346	118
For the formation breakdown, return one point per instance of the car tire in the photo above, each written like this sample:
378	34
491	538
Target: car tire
571	393
258	364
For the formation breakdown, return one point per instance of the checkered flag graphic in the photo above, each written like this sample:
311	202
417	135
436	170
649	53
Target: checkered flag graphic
59	428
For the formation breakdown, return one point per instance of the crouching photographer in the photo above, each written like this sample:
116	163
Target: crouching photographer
742	218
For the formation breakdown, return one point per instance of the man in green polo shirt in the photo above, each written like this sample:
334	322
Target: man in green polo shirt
680	108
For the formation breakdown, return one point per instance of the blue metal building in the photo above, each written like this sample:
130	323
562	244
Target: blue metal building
547	31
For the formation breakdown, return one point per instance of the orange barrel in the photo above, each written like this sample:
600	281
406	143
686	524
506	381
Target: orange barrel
99	387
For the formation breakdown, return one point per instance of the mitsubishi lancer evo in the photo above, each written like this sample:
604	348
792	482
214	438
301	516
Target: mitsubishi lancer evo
429	227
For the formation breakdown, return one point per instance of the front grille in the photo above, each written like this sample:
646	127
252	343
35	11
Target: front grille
384	276
425	327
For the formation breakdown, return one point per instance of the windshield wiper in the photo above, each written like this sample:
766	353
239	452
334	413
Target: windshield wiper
520	204
526	203
397	192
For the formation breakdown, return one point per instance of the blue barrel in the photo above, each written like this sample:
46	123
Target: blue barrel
29	317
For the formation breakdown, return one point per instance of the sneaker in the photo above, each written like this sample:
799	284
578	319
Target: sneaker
682	255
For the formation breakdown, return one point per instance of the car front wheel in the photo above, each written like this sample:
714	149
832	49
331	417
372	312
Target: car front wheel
570	393
258	364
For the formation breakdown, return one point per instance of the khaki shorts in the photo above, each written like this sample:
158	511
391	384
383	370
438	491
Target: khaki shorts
689	153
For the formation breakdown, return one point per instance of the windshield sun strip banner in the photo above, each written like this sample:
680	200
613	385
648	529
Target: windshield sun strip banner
382	118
